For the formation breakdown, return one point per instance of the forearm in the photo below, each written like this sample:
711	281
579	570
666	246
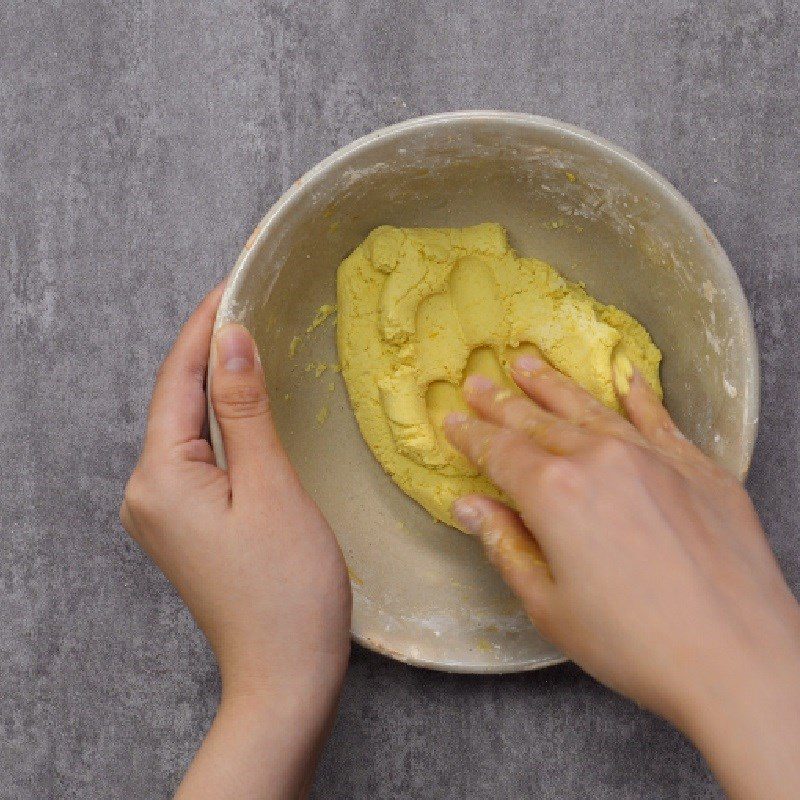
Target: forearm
749	728
260	748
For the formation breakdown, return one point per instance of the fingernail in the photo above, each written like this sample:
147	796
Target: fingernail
478	384
468	515
528	364
621	373
235	349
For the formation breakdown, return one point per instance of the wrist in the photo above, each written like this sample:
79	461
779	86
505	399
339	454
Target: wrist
305	711
261	744
745	717
310	689
289	719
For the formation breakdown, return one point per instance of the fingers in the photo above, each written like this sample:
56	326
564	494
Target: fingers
510	547
506	409
241	405
557	393
178	408
643	407
507	457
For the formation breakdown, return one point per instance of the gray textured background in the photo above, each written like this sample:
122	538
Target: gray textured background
140	142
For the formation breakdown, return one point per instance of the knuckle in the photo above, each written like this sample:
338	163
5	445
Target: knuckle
504	398
561	477
149	495
124	516
615	453
504	446
591	414
520	411
507	454
241	401
135	498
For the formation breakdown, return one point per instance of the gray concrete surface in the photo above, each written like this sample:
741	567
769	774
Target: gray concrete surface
140	142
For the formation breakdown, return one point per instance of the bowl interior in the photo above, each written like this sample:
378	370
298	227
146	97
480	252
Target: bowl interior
423	592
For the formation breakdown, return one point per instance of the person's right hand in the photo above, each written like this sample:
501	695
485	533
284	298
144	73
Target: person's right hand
644	562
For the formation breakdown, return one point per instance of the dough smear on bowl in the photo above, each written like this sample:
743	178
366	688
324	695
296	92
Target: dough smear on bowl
420	309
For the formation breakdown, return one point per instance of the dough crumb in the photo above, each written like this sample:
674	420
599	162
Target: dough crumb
293	345
323	312
322	414
622	372
730	389
354	578
709	291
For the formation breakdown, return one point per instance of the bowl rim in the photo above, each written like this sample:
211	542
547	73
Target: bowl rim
602	146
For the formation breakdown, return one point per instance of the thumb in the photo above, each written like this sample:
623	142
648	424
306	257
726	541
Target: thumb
240	401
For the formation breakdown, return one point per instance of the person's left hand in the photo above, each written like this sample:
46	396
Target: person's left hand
247	548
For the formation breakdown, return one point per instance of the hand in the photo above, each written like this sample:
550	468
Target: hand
644	562
250	554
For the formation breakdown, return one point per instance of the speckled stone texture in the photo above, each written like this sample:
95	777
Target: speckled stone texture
140	142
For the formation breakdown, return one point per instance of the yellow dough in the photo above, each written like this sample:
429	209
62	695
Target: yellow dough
422	308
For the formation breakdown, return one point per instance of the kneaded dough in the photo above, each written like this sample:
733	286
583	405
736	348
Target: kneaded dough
422	308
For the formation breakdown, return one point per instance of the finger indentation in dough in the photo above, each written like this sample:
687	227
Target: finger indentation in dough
442	398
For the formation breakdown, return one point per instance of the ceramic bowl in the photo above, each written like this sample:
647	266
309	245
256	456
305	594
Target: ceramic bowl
423	592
